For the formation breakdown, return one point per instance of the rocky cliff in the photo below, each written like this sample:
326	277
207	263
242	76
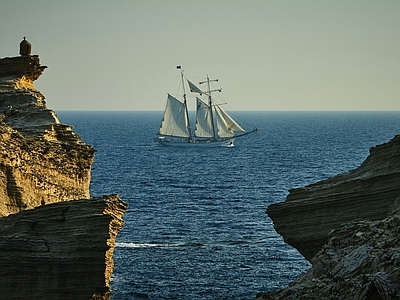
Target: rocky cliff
361	261
51	247
60	251
23	107
367	192
41	160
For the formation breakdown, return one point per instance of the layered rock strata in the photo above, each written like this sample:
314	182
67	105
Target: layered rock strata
361	261
41	160
53	246
61	250
23	107
367	192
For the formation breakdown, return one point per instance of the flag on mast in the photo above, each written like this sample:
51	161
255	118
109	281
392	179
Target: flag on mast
193	88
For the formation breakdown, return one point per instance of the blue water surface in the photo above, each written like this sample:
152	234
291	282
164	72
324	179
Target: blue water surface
196	224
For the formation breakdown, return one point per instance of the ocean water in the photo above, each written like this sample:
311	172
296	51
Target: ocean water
196	225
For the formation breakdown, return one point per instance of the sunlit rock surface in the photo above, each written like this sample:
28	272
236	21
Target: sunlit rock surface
55	242
41	160
22	105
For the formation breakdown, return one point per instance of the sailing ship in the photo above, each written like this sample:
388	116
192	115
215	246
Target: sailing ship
214	126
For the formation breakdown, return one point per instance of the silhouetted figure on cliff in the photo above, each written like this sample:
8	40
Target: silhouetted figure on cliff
25	47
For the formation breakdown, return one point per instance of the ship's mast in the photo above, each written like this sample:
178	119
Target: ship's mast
210	102
185	103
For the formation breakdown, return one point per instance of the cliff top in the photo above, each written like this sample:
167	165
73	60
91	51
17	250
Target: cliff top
23	107
21	66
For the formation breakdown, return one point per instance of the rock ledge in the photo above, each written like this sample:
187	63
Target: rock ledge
361	261
61	250
55	242
367	192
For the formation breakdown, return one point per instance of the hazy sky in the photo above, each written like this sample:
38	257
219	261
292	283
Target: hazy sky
267	54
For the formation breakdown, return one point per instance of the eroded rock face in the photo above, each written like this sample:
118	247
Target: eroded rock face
52	245
23	107
61	250
310	213
361	261
41	160
35	172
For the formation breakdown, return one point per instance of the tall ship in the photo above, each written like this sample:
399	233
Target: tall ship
214	127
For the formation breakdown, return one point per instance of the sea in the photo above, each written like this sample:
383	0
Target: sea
196	225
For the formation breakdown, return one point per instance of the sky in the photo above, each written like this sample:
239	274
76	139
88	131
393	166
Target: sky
296	55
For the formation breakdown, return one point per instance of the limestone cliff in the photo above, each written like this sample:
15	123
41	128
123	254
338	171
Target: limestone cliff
367	192
360	262
61	250
23	106
53	245
41	160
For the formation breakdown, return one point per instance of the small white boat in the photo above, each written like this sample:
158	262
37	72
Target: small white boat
213	128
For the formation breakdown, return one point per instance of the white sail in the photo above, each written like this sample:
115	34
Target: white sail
204	126
175	122
226	125
175	129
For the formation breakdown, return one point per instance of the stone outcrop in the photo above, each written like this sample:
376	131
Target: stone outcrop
41	160
35	172
23	107
55	242
361	261
60	251
367	192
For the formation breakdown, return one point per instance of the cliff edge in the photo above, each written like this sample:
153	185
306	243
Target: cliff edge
348	228
61	250
360	262
55	242
367	192
41	160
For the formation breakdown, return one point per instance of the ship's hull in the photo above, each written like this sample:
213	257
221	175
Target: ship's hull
195	143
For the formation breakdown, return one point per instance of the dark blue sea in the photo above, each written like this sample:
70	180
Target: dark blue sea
196	225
